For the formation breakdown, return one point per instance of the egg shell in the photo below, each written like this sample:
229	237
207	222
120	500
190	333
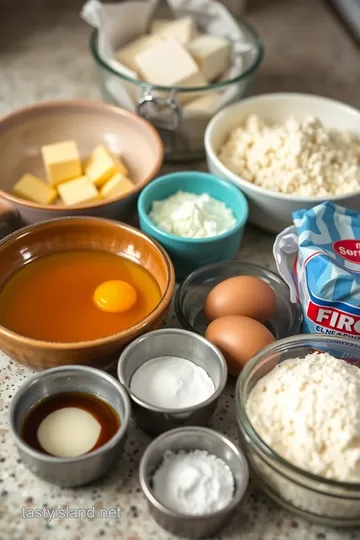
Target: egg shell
238	338
241	295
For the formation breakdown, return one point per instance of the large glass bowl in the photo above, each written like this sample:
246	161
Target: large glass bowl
191	295
181	128
316	498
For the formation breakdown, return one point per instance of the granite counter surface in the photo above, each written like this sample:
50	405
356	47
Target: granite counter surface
44	55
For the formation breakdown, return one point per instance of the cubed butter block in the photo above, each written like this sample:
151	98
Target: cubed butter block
204	104
78	191
62	161
183	30
119	164
159	24
127	54
117	185
33	189
212	55
102	164
168	63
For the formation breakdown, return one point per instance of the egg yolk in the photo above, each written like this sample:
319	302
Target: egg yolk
115	296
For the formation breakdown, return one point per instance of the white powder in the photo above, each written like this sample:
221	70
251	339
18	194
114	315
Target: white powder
307	410
192	216
194	483
301	158
172	383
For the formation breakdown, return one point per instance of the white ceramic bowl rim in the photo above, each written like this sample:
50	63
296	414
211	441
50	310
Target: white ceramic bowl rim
241	182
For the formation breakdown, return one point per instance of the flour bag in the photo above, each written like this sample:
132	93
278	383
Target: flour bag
319	258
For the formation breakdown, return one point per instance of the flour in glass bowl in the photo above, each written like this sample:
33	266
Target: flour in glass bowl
192	216
307	410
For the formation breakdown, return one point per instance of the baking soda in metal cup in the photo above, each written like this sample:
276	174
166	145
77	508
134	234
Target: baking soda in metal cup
319	258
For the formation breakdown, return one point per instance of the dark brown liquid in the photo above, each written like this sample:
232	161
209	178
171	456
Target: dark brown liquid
99	409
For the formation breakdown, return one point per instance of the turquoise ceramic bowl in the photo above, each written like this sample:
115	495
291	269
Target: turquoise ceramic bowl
189	254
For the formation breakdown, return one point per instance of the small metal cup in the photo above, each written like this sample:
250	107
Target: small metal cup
180	343
193	438
83	469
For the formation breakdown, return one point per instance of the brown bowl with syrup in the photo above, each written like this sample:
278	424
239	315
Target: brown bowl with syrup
77	290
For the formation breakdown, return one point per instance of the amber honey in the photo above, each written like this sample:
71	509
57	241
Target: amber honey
99	409
51	298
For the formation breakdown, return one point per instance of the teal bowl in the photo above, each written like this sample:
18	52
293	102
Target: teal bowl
188	254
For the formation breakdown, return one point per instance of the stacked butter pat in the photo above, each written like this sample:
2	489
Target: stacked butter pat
101	176
174	54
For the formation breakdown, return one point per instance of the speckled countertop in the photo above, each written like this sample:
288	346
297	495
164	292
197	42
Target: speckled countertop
43	55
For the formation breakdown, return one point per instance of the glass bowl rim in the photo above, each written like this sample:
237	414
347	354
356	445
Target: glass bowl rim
257	42
295	327
260	444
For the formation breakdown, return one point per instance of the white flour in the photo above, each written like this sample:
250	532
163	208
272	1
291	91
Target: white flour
192	216
303	158
194	483
172	383
307	410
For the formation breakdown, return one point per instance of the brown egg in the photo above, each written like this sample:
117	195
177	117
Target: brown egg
238	338
241	295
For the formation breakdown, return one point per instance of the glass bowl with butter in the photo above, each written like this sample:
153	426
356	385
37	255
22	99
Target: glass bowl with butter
178	76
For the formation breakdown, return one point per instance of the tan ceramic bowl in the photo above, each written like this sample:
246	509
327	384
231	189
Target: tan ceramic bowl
83	233
23	132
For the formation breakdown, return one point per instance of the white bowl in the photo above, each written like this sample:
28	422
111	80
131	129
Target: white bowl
268	209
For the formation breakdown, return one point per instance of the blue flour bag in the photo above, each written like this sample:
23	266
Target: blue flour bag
319	258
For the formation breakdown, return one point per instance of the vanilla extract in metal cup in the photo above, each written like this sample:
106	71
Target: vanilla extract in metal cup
82	459
174	378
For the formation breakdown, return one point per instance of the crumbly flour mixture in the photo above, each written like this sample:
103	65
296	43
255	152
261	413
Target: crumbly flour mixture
195	483
299	158
307	410
192	216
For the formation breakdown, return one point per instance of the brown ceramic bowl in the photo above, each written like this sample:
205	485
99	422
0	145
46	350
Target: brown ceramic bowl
23	132
83	233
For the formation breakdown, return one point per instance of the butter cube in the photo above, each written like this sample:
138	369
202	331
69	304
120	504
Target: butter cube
62	161
204	104
119	165
127	54
117	185
182	30
33	189
102	164
78	191
212	55
168	63
159	24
